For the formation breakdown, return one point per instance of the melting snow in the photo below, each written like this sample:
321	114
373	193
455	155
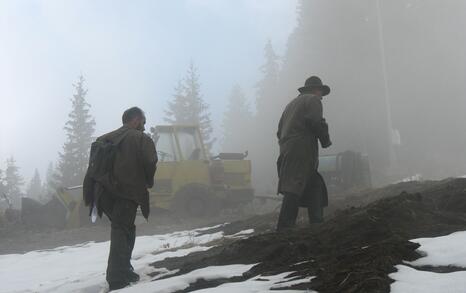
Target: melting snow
414	281
447	250
81	268
181	282
260	284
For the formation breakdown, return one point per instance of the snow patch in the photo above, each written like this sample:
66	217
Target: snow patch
446	250
81	268
241	234
416	177
442	251
181	282
260	284
414	281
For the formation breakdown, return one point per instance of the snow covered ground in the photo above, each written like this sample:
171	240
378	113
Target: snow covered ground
81	268
447	250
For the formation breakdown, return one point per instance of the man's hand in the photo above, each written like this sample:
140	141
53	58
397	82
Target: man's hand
318	128
322	133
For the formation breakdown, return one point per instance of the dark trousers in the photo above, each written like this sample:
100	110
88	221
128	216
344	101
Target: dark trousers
290	208
122	213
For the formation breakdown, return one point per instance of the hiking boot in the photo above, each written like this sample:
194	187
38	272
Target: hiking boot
117	285
132	277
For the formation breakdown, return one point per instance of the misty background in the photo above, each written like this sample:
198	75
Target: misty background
396	70
130	54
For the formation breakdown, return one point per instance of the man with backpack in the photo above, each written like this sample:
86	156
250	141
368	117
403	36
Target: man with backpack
121	169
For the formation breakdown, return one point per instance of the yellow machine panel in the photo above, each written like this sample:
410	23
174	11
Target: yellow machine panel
187	180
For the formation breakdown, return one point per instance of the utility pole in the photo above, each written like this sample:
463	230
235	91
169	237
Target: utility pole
392	158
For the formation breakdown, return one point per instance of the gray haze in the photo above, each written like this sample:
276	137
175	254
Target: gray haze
394	70
130	54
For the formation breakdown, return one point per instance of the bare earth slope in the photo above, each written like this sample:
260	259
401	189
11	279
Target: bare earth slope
354	250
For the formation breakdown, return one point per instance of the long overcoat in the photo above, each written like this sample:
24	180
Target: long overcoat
299	151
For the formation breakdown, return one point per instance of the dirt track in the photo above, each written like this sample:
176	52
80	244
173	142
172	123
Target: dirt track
20	239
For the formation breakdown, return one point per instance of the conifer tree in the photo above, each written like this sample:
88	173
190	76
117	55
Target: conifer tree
266	87
189	107
2	187
268	105
50	183
236	122
79	130
35	186
179	109
13	181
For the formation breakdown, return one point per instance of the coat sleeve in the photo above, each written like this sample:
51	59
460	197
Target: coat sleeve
149	159
314	110
316	122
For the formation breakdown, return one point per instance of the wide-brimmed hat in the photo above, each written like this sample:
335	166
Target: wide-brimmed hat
314	82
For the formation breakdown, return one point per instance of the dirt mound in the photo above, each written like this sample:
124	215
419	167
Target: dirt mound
352	251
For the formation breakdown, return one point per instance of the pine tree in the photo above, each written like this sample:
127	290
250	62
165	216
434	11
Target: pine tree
266	87
2	187
13	182
79	130
236	122
179	109
189	107
268	105
50	183
35	186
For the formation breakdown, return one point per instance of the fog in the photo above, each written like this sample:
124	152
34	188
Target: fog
130	54
213	78
396	70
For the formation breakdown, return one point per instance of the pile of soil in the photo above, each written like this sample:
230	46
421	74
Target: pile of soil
354	250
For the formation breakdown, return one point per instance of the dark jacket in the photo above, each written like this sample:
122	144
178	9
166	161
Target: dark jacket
134	166
299	150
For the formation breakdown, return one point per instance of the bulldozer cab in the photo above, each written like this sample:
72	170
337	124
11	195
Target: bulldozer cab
188	180
179	143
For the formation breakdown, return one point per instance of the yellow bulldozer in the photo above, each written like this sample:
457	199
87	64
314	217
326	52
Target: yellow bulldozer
188	182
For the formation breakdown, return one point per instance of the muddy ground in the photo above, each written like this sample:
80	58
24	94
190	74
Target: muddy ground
19	238
354	250
364	235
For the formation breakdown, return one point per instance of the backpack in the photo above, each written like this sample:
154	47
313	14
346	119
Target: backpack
99	174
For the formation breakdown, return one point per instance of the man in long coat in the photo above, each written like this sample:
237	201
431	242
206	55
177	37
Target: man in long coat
300	127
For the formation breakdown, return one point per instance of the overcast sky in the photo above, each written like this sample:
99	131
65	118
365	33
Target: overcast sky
131	53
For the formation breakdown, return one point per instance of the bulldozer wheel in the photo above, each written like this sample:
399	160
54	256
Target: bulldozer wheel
195	200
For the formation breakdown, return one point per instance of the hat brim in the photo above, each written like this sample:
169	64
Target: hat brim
325	89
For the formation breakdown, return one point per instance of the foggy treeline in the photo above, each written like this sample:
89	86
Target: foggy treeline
396	72
188	106
412	124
